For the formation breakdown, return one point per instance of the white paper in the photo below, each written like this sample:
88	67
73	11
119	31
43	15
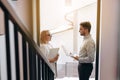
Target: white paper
53	53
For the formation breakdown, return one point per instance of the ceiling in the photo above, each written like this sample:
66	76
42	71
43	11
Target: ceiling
52	12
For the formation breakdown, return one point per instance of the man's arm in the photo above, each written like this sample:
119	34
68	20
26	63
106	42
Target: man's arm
90	54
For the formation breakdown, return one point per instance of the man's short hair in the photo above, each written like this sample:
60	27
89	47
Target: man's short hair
86	25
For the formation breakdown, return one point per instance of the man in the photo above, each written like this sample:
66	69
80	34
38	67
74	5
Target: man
86	53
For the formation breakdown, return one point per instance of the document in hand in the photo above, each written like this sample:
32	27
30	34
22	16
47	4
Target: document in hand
53	53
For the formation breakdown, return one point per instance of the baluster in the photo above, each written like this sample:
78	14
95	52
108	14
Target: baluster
16	52
43	70
38	67
32	62
7	38
24	50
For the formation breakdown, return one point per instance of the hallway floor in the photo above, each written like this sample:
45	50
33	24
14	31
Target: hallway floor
71	78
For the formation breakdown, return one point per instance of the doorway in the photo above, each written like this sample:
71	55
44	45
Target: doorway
62	18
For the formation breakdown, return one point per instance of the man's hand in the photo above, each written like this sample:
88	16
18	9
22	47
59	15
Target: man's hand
75	57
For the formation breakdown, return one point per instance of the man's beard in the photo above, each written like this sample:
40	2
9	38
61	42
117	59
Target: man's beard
83	34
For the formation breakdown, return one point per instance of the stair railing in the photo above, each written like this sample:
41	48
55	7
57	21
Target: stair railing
35	65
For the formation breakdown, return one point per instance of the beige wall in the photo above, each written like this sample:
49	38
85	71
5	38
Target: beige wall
1	22
109	39
24	10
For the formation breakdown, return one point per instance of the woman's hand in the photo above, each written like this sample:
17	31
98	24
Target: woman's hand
54	59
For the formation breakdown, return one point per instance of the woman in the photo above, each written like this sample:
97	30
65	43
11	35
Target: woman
45	47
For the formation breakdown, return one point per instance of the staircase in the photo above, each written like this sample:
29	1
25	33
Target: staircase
23	58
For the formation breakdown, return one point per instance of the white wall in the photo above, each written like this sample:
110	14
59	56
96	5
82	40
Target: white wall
52	13
88	13
71	39
63	39
109	39
3	58
3	64
68	38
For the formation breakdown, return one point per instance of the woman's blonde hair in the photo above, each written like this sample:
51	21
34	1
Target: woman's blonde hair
43	37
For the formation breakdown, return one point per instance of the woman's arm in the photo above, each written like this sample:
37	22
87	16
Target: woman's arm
54	59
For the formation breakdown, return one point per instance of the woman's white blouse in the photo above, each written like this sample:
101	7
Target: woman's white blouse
45	48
